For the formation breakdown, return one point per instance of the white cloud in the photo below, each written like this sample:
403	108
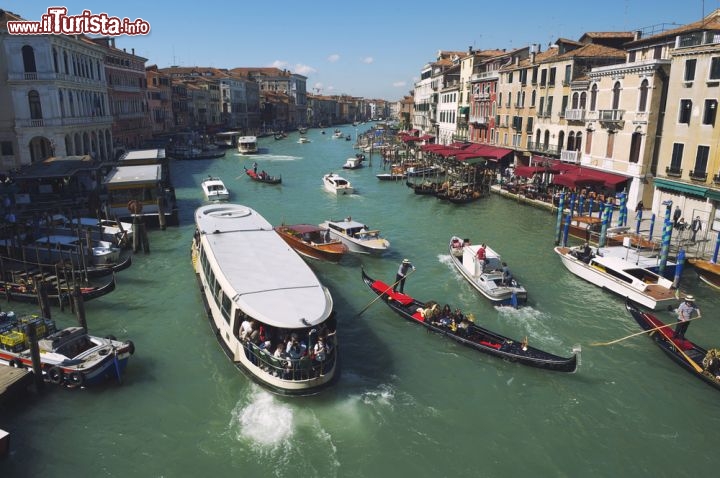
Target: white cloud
318	86
304	69
399	84
333	58
278	64
368	59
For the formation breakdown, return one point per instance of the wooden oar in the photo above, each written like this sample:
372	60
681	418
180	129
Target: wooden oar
383	293
640	333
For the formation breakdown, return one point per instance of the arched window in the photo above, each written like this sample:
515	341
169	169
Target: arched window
616	96
593	97
575	99
642	105
55	60
533	97
578	142
65	63
28	55
583	100
571	141
34	103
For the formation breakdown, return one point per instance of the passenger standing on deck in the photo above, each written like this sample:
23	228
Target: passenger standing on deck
401	274
684	314
255	167
506	274
481	255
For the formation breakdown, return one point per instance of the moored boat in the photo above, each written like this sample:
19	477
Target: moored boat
336	184
312	241
486	276
704	364
467	332
707	271
357	237
62	247
303	140
247	145
615	273
354	163
69	356
261	296
23	288
214	189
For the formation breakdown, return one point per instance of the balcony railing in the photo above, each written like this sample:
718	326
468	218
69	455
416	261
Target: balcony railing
611	115
673	172
570	156
698	175
543	147
479	119
575	114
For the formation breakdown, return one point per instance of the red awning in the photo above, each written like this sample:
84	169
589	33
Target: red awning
530	171
426	137
576	180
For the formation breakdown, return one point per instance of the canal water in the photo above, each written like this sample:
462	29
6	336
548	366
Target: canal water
408	403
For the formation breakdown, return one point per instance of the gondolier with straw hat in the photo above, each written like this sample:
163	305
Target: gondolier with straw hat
684	314
402	272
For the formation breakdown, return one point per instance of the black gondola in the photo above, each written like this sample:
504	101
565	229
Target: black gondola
423	189
266	178
702	363
474	336
56	293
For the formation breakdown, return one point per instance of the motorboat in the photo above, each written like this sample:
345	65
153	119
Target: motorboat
353	163
303	140
117	232
617	274
312	241
69	357
247	145
357	236
337	184
256	290
214	189
63	247
487	275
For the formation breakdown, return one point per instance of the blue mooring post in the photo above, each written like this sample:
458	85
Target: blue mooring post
652	226
604	213
572	203
622	218
558	224
609	206
665	246
591	203
717	249
679	267
566	230
581	204
638	220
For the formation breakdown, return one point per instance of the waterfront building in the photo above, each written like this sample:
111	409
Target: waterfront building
427	89
127	95
688	162
448	99
159	97
55	98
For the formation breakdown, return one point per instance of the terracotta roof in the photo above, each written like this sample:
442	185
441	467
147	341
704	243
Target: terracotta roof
591	50
710	22
261	71
628	35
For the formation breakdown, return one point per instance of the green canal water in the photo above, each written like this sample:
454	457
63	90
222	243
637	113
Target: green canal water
408	403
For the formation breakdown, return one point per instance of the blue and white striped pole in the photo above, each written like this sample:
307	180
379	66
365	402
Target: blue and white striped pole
652	226
591	203
572	203
679	267
638	220
566	230
605	214
558	224
581	204
665	246
622	219
717	249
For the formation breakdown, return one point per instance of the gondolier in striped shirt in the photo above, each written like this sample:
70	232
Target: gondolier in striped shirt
401	274
684	313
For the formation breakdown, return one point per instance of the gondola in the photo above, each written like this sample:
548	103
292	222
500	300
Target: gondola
56	293
474	336
267	179
704	364
423	189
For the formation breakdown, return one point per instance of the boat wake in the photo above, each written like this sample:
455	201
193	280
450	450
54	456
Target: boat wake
274	157
262	420
533	322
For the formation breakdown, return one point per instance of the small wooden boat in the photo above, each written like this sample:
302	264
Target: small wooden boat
69	356
704	364
618	274
472	335
356	236
312	241
337	184
214	189
486	277
707	271
58	291
262	177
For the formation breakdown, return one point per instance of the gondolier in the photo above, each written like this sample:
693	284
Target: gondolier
401	274
684	313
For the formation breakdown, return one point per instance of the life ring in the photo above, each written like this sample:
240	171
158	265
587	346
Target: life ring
55	375
131	346
76	379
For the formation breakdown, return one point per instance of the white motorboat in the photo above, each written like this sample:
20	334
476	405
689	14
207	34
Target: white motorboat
63	247
357	237
486	276
247	145
255	285
338	134
214	189
610	270
337	184
353	163
303	140
110	230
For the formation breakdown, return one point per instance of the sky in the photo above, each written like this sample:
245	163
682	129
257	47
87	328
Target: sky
372	49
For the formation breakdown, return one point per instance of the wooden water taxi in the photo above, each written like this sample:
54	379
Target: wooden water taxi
265	305
312	241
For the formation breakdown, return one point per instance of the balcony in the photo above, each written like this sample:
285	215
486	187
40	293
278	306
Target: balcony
611	119
673	172
488	75
479	119
569	156
575	114
541	147
698	176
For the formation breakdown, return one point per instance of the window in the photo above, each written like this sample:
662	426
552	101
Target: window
685	110
616	96
6	148
548	113
676	159
543	77
715	68
690	69
701	160
551	81
657	52
28	55
631	56
710	112
564	105
532	99
642	104
593	97
568	70
529	127
541	109
534	75
34	103
510	77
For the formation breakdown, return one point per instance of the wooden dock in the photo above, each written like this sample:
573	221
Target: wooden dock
14	382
